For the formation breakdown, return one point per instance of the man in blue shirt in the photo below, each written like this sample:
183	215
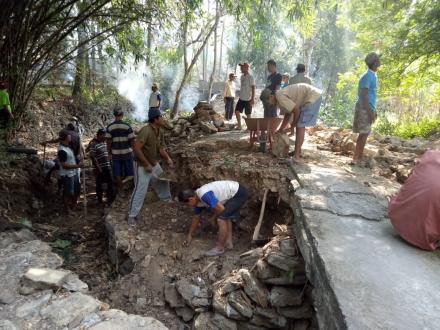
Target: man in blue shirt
225	198
365	110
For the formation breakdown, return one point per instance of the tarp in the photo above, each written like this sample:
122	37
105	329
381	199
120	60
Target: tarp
415	211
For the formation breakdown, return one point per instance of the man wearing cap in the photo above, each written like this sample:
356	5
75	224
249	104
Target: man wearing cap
155	97
67	172
229	96
300	77
247	94
365	109
273	83
99	155
120	139
301	100
149	147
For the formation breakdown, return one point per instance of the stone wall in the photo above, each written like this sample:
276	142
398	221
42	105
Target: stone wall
269	291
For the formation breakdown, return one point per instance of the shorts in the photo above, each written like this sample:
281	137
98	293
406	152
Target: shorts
68	185
123	167
233	205
361	122
309	114
246	105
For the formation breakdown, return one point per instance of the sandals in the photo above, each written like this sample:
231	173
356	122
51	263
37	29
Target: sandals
214	252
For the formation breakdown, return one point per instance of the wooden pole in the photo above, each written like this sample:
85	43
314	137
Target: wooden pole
260	220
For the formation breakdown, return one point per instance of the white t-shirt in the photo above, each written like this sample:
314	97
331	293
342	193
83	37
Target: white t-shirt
229	89
301	94
154	99
223	191
246	83
70	160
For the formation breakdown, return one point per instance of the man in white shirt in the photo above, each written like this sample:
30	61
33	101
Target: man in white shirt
225	198
247	94
304	101
229	96
155	97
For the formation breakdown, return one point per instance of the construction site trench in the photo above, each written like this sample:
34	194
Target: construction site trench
258	284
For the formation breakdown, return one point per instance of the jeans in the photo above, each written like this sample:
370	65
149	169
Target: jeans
142	180
229	107
105	176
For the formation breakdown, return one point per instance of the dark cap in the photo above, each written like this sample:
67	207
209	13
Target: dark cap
101	131
63	134
154	113
271	62
300	67
245	64
117	111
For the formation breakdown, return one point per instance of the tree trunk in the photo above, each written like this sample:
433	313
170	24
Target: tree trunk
81	63
188	68
220	71
149	43
211	78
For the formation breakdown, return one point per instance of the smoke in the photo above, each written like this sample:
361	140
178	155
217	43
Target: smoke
134	84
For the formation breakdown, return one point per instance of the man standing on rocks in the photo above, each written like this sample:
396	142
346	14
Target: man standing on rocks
247	94
149	146
301	100
225	199
120	139
300	77
365	109
68	166
101	162
155	97
229	96
273	84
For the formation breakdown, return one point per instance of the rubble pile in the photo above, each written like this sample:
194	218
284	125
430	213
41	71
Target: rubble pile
269	292
36	294
392	156
204	120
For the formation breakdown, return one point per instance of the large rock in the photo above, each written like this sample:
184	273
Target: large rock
282	261
221	305
300	312
280	145
254	288
192	294
122	321
213	321
296	280
207	127
249	258
229	284
268	318
47	278
264	271
172	297
288	247
62	312
281	296
241	303
185	313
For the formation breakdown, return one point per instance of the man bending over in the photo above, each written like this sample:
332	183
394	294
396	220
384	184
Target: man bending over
225	199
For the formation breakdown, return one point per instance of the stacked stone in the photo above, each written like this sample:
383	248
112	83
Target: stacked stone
204	120
271	294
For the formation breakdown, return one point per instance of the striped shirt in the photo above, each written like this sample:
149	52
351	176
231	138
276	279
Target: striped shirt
120	134
100	153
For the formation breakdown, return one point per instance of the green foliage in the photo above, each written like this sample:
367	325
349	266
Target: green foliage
408	129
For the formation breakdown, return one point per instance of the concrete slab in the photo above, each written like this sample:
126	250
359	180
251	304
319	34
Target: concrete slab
365	276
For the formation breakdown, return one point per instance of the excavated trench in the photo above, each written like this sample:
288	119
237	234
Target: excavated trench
181	287
147	271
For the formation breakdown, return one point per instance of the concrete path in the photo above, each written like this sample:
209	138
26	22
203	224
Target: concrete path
365	276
